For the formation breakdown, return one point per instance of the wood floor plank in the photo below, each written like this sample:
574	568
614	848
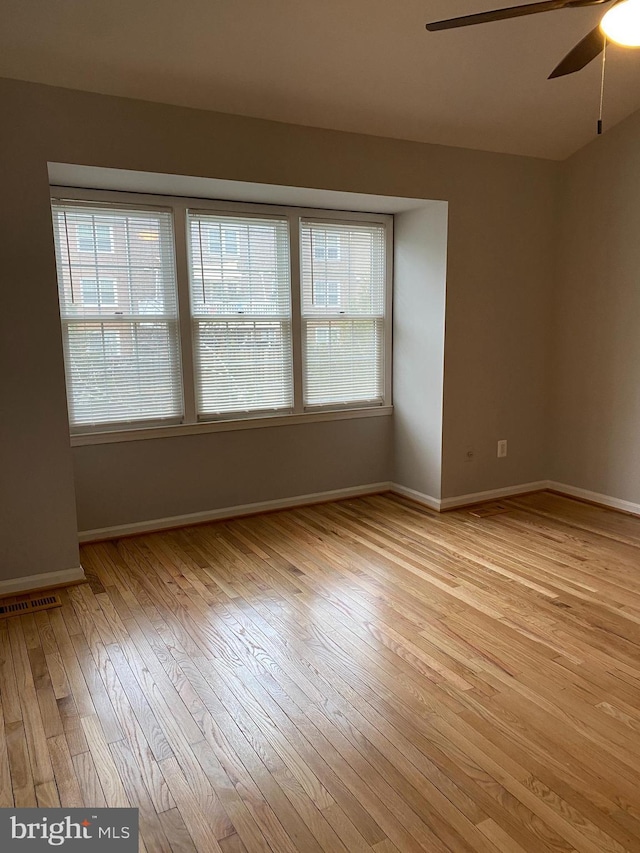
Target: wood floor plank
499	838
49	712
90	786
242	816
232	844
34	723
150	826
176	831
19	767
110	780
47	796
365	676
199	827
65	774
11	709
73	673
6	792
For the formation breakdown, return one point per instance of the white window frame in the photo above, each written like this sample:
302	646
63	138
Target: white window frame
190	423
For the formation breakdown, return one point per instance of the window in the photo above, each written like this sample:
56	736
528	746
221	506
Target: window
343	317
242	317
94	237
120	329
212	311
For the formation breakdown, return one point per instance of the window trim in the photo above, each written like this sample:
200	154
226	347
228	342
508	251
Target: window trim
190	423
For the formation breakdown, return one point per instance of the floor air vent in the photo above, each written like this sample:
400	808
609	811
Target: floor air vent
29	605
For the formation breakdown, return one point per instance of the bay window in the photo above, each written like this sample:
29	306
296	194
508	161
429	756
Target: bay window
194	312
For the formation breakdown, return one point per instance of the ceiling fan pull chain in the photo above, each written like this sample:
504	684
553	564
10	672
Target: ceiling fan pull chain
604	63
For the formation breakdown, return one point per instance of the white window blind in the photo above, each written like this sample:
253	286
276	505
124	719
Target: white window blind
241	313
118	304
343	312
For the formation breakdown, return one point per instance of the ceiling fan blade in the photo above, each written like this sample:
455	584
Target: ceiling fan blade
510	12
499	15
582	54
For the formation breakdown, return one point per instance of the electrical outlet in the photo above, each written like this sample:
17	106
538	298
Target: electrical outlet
502	448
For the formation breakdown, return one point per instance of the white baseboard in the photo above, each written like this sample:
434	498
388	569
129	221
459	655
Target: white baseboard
16	586
594	497
441	504
318	497
418	497
493	494
228	512
538	486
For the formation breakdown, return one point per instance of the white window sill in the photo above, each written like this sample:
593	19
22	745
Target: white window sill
148	433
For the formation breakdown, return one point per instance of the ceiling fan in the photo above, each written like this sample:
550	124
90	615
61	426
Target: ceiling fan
621	23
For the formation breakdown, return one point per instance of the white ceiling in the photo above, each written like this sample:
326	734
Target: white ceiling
358	65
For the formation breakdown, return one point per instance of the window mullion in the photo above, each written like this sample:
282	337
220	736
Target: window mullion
296	313
184	313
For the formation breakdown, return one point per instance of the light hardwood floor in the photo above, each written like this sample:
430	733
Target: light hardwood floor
358	676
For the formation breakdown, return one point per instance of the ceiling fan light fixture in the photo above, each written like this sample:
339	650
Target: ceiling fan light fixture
621	24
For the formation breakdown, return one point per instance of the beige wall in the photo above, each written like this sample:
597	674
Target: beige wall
498	287
419	302
37	509
163	478
596	387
